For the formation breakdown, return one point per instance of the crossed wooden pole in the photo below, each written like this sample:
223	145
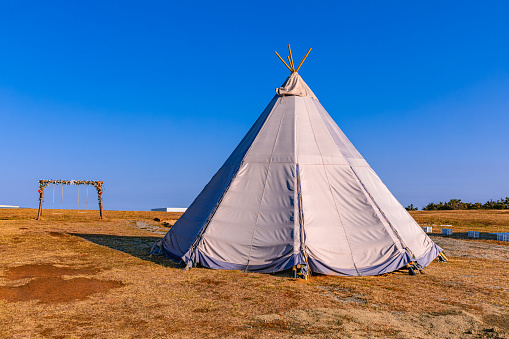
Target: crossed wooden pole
291	66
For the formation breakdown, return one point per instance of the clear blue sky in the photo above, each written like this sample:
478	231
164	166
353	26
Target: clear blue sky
151	97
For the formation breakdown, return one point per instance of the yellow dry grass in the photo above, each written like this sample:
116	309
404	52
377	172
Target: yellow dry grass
469	220
151	297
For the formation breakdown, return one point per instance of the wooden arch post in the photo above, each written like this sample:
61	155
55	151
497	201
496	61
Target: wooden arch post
99	187
97	184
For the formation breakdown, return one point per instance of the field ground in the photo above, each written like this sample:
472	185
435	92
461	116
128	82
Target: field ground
72	275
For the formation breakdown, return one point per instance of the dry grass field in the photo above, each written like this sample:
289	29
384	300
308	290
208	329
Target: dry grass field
73	275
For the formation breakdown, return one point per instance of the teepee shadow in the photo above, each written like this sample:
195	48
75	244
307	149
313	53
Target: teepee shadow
138	247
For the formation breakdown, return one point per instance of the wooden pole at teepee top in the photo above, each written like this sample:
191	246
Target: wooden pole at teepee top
283	62
291	58
290	63
305	56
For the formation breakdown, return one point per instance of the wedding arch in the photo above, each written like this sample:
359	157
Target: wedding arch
45	183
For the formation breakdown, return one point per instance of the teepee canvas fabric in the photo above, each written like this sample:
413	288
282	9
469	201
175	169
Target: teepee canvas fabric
296	191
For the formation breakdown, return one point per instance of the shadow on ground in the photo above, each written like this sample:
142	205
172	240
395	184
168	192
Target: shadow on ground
136	246
140	247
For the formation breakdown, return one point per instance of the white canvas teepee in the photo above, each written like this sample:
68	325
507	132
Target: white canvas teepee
295	191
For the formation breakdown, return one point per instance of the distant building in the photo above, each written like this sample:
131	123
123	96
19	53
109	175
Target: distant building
169	209
8	206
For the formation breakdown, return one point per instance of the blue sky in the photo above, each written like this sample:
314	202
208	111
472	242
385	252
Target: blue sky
152	97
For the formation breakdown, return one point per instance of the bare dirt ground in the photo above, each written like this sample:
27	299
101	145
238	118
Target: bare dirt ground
72	275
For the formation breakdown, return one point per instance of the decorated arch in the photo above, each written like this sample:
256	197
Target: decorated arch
45	183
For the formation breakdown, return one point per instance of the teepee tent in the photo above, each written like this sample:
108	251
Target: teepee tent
296	192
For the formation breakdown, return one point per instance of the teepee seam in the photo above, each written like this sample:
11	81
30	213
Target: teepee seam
382	213
276	105
236	171
324	115
300	205
265	184
362	187
330	188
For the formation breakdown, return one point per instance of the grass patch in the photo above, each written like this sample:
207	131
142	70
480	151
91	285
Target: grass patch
151	297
